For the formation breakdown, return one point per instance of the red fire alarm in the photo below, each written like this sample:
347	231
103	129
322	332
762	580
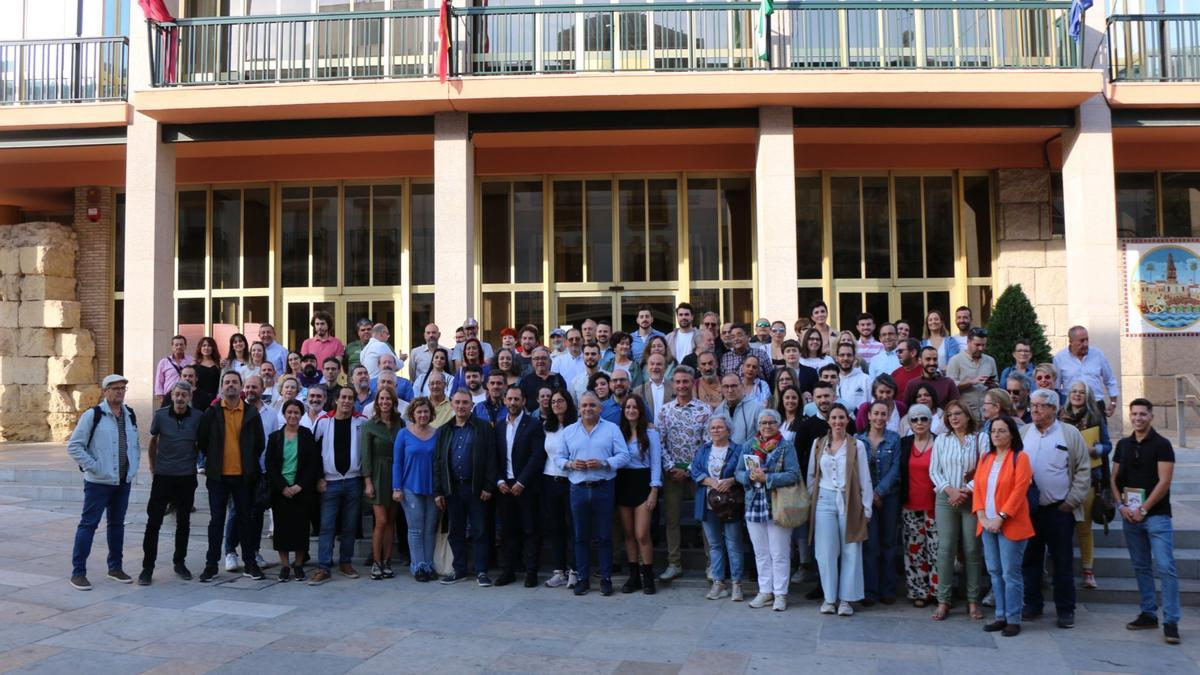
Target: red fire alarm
93	204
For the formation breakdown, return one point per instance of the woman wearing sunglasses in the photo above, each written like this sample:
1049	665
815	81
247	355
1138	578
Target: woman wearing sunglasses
917	513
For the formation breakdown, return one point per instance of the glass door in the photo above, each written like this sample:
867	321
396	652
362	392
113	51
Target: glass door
617	308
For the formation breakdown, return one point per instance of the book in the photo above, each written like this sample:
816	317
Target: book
1133	497
751	462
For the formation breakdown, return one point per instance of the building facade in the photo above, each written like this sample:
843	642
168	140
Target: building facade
254	161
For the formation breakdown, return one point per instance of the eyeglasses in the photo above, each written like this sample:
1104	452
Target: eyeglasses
1014	392
919	420
781	331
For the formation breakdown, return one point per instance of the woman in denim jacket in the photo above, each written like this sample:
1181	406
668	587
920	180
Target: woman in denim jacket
882	546
775	465
713	468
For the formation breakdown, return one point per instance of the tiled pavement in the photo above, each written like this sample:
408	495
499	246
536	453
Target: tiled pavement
401	626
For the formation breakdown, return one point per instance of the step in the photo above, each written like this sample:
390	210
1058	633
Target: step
1184	539
1114	562
23	476
1124	591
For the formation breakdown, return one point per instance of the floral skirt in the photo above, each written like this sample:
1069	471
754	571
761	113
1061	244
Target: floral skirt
920	553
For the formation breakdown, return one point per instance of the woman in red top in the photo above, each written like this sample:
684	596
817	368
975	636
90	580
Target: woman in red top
1001	505
917	498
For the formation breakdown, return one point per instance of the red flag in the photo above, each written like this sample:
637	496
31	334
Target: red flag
155	10
443	62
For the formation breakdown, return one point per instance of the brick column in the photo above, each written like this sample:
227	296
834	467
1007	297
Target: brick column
94	270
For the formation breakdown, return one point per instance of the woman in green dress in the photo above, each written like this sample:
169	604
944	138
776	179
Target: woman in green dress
378	437
293	462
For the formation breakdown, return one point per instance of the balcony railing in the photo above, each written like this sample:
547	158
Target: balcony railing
670	36
73	70
1154	47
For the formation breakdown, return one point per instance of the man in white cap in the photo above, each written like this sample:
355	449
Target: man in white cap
106	450
471	330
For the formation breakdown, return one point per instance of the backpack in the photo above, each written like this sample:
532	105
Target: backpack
97	414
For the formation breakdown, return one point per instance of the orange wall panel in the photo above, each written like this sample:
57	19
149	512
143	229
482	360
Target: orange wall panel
613	159
347	166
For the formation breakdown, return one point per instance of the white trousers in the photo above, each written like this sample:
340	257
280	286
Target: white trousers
844	582
772	556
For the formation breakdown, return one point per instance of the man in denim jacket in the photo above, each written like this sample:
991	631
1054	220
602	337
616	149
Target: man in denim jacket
107	452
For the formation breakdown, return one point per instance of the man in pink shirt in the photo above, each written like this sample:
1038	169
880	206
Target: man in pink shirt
323	344
868	346
169	369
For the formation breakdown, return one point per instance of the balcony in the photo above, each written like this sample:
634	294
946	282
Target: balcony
705	36
1154	48
73	70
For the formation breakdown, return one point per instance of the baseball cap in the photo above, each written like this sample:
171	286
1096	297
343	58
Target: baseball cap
110	380
470	322
558	332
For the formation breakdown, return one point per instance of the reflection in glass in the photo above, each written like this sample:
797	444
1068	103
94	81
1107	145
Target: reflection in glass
294	236
191	239
976	229
908	228
421	223
226	238
421	313
876	232
528	309
388	211
599	217
256	238
1136	212
119	248
809	233
631	205
737	239
497	233
324	236
703	231
527	232
663	230
568	231
494	317
356	235
1181	204
846	220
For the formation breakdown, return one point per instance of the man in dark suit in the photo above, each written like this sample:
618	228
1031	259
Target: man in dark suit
464	472
520	460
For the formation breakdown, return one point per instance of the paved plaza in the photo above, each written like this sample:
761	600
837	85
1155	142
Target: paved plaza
238	625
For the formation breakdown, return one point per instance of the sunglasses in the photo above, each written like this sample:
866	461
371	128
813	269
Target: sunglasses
1014	392
781	331
919	420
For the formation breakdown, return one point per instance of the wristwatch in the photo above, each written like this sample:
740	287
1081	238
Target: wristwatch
1003	516
1143	512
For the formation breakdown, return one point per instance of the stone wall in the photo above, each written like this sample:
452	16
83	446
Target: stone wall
47	362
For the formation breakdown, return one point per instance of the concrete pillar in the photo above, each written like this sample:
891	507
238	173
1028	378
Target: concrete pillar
9	214
453	221
775	215
149	237
1092	253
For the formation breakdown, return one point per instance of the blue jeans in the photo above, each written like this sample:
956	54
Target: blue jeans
465	505
1054	531
341	499
724	543
422	515
1004	556
1154	537
98	499
882	549
592	513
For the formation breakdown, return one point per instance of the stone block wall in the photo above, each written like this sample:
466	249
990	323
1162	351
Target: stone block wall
47	361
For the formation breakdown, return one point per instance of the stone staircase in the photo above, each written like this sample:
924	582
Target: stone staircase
51	484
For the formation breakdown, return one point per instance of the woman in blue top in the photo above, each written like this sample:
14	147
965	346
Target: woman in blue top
412	485
938	336
713	469
882	547
637	492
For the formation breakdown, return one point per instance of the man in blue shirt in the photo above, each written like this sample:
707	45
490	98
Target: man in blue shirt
645	331
592	451
491	409
464	468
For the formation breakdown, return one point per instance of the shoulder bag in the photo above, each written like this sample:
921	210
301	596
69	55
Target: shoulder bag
789	503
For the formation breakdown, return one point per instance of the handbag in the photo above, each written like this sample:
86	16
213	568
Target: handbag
1104	508
728	506
789	503
262	492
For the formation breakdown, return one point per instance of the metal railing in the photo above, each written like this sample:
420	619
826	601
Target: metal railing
72	70
662	36
1187	395
1154	47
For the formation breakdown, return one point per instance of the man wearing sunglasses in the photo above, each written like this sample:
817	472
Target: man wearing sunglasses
1019	386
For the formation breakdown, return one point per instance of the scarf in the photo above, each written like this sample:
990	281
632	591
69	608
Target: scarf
764	446
1078	417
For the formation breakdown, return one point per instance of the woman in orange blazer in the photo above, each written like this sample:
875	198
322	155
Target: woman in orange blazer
1001	504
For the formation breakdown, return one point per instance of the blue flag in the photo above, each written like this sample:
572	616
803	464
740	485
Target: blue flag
1075	18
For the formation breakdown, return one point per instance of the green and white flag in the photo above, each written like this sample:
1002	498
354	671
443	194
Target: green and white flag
765	9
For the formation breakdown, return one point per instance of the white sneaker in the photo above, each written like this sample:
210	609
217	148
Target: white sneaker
762	600
780	603
737	591
828	608
260	561
844	609
717	591
572	579
670	573
231	562
989	600
558	580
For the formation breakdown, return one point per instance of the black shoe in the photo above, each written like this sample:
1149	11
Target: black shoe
816	593
453	578
634	582
285	574
1011	630
606	588
119	576
1171	633
867	602
1066	620
1029	614
209	573
1144	621
648	580
80	583
145	577
483	580
995	626
531	580
888	599
505	579
386	568
252	571
298	572
582	587
183	572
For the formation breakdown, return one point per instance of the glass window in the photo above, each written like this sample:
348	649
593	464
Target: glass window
225	312
387	214
356	235
256	310
191	239
421	251
939	225
497	236
737	230
704	237
846	224
324	236
663	228
527	309
1137	214
421	312
631	204
189	314
226	238
1181	204
909	239
568	231
119	247
599	218
496	310
1058	218
809	232
118	363
739	305
977	227
294	229
705	300
527	232
876	229
256	238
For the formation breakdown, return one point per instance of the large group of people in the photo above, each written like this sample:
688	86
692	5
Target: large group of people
882	461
